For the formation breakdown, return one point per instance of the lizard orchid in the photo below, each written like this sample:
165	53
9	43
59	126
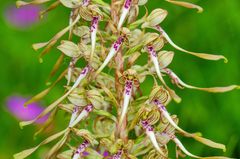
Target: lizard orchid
176	80
93	30
196	136
150	133
180	145
125	10
70	69
154	59
129	80
82	75
153	56
74	114
77	154
200	55
85	112
113	50
164	112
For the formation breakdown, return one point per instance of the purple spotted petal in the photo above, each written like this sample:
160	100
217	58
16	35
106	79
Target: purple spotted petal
22	17
15	105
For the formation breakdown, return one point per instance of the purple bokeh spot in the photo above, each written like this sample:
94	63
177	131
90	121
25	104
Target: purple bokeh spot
105	154
15	105
22	17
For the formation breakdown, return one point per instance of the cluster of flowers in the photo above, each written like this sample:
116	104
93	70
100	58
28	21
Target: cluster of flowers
113	35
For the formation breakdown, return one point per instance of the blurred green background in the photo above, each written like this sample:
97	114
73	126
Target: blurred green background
216	30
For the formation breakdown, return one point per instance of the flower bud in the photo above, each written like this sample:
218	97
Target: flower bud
155	18
69	48
142	2
165	58
95	97
71	3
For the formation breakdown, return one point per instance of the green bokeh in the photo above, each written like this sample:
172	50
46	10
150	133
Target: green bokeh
216	30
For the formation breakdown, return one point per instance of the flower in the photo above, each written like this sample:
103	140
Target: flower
15	105
22	17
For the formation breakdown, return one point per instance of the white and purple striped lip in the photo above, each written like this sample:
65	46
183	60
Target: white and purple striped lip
128	87
118	43
159	104
146	125
75	109
158	27
82	147
88	108
94	23
127	4
118	155
85	70
85	2
151	51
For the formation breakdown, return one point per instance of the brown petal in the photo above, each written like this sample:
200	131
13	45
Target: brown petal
23	3
187	5
209	142
52	152
26	153
200	55
211	89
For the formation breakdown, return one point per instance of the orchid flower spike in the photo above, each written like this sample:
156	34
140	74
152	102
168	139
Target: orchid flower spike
124	120
85	112
114	49
125	11
150	133
93	30
80	149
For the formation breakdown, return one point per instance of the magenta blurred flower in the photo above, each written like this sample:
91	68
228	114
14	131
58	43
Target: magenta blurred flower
105	154
22	17
15	105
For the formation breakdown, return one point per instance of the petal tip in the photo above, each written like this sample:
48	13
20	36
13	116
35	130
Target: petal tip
225	59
